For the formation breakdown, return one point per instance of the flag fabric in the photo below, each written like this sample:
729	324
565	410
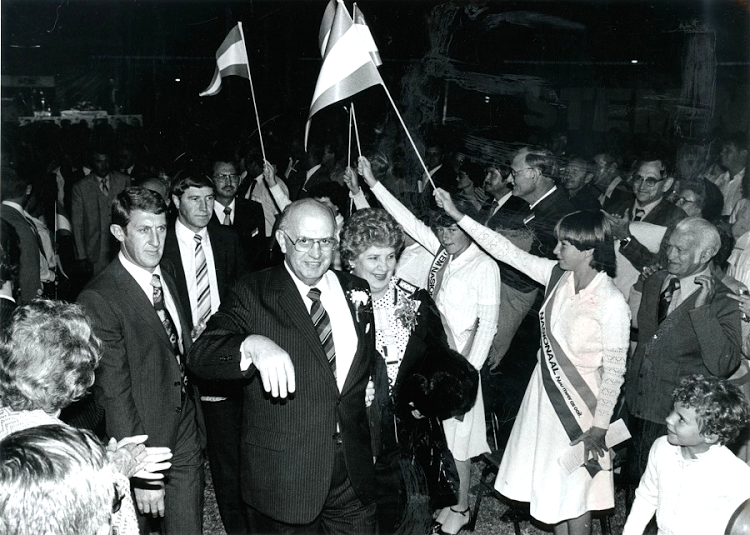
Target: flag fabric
366	35
347	66
231	60
325	26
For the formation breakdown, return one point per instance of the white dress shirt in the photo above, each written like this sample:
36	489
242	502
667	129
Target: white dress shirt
219	211
186	242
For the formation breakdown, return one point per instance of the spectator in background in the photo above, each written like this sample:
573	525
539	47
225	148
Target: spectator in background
609	181
469	185
700	197
577	175
733	159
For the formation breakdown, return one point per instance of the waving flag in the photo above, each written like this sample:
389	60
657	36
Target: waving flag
231	60
347	66
325	26
366	35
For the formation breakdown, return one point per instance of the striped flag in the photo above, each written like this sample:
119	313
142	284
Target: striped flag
366	35
325	26
347	66
231	60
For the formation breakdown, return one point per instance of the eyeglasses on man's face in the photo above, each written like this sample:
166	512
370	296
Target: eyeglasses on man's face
227	178
304	244
514	173
647	181
684	200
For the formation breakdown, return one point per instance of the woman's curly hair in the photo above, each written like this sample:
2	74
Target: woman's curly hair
48	355
368	227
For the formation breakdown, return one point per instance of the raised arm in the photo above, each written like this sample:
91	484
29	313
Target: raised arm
496	244
280	195
412	226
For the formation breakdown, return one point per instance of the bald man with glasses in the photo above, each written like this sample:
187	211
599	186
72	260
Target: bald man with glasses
304	336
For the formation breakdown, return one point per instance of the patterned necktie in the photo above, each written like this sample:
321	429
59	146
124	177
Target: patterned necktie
167	323
104	186
201	281
227	216
639	214
665	298
322	324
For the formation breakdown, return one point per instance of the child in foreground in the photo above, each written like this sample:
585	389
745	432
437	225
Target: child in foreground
693	482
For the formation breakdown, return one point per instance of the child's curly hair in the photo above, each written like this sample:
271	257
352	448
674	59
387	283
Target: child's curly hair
720	406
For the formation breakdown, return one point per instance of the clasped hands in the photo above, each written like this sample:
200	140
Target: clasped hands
594	445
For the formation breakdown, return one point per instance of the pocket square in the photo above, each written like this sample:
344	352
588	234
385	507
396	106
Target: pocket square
254	233
367	328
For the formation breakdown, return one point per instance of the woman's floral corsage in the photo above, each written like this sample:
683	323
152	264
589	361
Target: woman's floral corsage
361	301
406	313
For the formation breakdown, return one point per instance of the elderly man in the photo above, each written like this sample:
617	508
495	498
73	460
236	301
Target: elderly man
55	480
135	310
305	336
686	324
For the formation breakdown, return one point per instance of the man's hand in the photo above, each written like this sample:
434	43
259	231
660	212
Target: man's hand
290	168
269	173
352	180
150	501
273	364
593	443
444	201
707	292
131	458
365	169
620	226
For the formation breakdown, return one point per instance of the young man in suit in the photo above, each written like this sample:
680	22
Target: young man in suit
244	215
304	335
136	312
204	258
686	324
91	204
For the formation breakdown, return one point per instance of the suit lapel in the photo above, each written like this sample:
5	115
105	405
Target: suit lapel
360	360
172	260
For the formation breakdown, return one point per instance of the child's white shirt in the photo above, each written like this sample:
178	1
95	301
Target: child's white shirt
689	496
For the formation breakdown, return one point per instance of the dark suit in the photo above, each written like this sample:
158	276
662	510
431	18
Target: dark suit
138	383
91	216
705	340
223	418
664	214
28	269
290	446
250	224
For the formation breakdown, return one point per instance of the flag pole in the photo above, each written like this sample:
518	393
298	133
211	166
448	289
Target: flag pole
419	157
252	91
349	145
356	130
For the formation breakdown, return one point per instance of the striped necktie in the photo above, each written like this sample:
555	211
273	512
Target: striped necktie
169	325
665	298
201	281
322	324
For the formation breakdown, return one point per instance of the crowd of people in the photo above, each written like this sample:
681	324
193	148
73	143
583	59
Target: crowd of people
328	334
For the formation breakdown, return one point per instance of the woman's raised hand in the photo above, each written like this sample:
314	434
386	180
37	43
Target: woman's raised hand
444	201
365	169
352	180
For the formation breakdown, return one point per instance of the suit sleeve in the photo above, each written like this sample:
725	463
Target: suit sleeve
216	353
113	386
719	333
76	214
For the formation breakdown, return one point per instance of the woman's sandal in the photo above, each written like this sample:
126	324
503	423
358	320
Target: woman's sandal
464	513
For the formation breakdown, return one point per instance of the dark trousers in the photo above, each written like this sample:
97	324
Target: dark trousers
644	434
184	482
223	432
343	513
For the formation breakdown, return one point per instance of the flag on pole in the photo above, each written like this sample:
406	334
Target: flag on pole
325	26
366	35
231	60
347	66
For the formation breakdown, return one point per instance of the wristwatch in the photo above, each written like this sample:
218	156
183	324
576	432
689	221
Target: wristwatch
625	241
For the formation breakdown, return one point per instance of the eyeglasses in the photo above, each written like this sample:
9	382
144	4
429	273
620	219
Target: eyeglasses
117	499
227	178
683	200
304	244
513	172
648	181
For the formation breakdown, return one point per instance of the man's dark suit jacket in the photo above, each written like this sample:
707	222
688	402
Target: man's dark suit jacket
250	224
706	340
289	445
28	269
138	381
665	214
542	220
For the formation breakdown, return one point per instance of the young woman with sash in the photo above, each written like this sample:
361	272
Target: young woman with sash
572	393
465	285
